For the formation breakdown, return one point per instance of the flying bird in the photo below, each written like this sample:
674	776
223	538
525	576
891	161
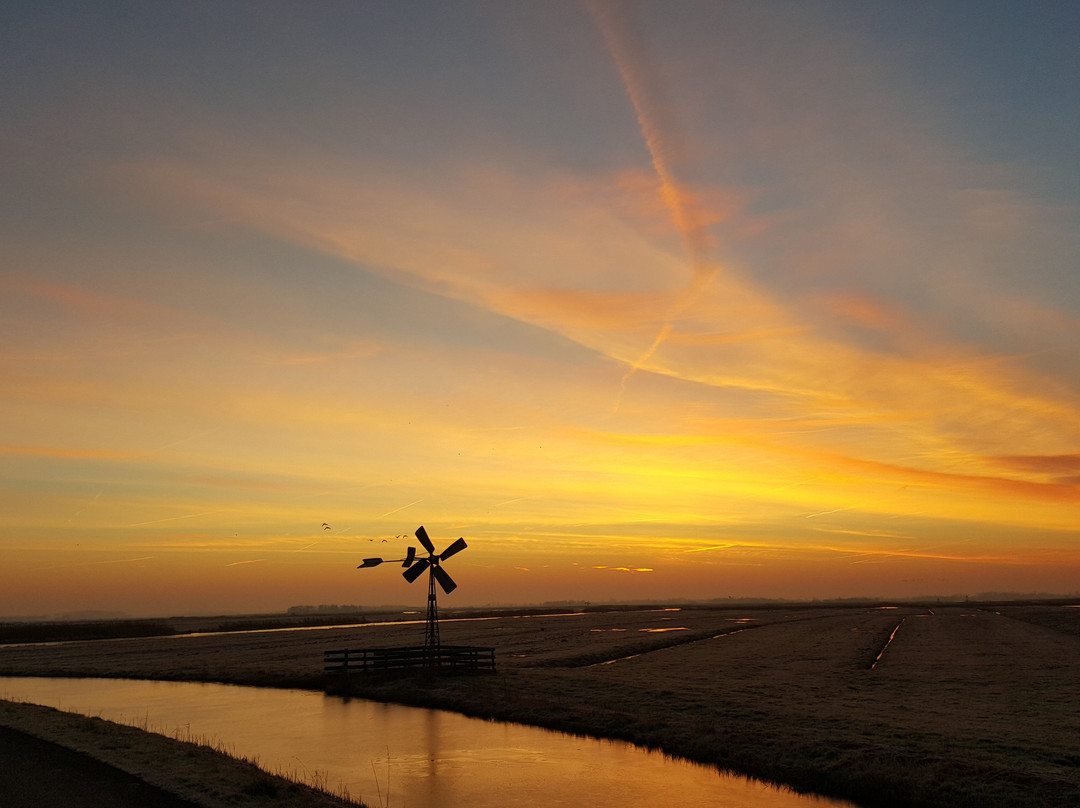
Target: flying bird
325	526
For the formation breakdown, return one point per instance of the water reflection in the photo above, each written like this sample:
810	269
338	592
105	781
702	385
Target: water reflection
403	756
661	630
888	642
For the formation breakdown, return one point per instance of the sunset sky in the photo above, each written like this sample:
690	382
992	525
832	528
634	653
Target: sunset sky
645	300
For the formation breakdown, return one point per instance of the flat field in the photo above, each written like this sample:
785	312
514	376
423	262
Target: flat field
967	706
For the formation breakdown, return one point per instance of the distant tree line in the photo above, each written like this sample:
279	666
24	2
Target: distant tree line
326	608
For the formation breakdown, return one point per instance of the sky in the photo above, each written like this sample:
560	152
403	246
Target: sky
644	300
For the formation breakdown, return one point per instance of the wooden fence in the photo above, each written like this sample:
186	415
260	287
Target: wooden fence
463	658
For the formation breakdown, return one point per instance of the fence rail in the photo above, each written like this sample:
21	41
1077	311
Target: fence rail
371	660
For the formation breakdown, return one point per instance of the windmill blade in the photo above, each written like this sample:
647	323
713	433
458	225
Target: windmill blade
416	570
453	549
424	540
444	579
370	562
410	557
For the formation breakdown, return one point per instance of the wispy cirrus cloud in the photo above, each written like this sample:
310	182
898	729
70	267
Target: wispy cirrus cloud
1058	470
65	452
922	387
814	350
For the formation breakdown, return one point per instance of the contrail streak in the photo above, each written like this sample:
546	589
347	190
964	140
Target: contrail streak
632	63
645	357
403	507
95	563
646	96
172	518
189	437
121	560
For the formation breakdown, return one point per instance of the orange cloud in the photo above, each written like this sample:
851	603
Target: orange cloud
1062	469
867	312
65	452
360	351
927	413
98	306
637	195
1021	556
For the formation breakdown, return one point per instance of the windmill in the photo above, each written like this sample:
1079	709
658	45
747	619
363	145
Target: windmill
433	564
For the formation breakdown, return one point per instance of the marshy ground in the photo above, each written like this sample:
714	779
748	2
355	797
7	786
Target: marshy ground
968	706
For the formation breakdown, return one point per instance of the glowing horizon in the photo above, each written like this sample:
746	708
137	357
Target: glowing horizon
745	301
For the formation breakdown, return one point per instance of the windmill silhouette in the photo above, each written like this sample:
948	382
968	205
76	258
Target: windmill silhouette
433	564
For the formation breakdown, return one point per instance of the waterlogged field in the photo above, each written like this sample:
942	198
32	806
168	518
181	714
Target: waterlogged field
966	706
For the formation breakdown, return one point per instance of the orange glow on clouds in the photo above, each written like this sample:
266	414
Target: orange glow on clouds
718	322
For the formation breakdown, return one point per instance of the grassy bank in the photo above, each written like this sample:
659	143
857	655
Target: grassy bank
194	769
967	708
